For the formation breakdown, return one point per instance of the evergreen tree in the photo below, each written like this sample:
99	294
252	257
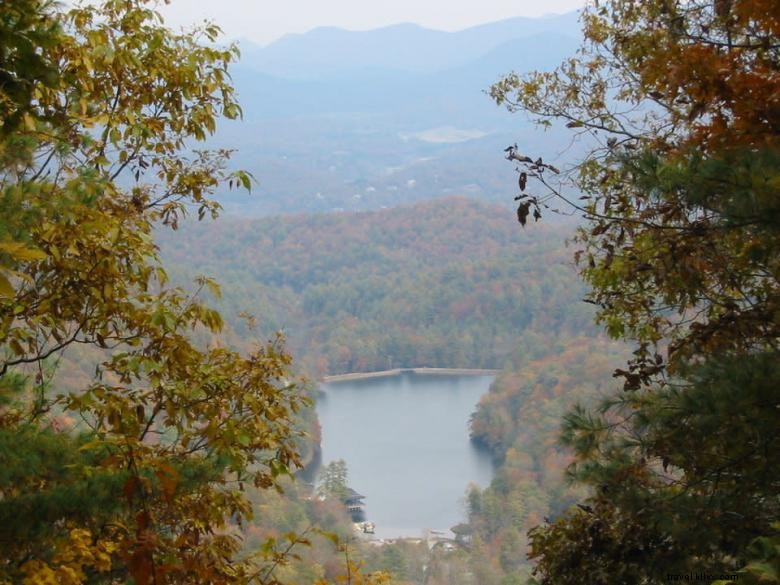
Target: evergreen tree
682	198
333	480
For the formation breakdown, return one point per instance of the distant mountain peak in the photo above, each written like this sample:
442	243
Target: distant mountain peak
404	46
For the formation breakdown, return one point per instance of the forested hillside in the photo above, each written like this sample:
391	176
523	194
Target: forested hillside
451	283
519	420
445	283
148	438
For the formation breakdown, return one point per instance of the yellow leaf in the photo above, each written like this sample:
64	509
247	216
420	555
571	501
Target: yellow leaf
20	251
6	290
29	122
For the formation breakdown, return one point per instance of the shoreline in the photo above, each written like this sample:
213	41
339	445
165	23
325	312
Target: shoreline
419	371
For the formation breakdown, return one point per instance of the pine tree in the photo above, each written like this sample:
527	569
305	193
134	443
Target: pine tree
681	248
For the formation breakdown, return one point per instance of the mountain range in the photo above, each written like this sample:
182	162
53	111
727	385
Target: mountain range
329	51
337	119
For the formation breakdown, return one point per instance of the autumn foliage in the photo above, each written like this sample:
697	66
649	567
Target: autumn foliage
141	474
681	193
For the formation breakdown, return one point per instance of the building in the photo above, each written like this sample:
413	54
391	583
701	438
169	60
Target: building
354	502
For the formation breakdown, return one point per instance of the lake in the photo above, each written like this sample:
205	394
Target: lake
405	439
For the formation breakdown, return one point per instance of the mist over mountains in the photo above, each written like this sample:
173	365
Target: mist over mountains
345	120
328	51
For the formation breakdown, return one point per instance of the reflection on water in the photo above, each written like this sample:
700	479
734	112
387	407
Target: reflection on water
406	443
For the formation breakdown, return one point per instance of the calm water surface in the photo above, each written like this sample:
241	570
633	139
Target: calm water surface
406	443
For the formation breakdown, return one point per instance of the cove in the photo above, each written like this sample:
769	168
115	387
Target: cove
406	443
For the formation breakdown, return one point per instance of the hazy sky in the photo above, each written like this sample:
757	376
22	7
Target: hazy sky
266	20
